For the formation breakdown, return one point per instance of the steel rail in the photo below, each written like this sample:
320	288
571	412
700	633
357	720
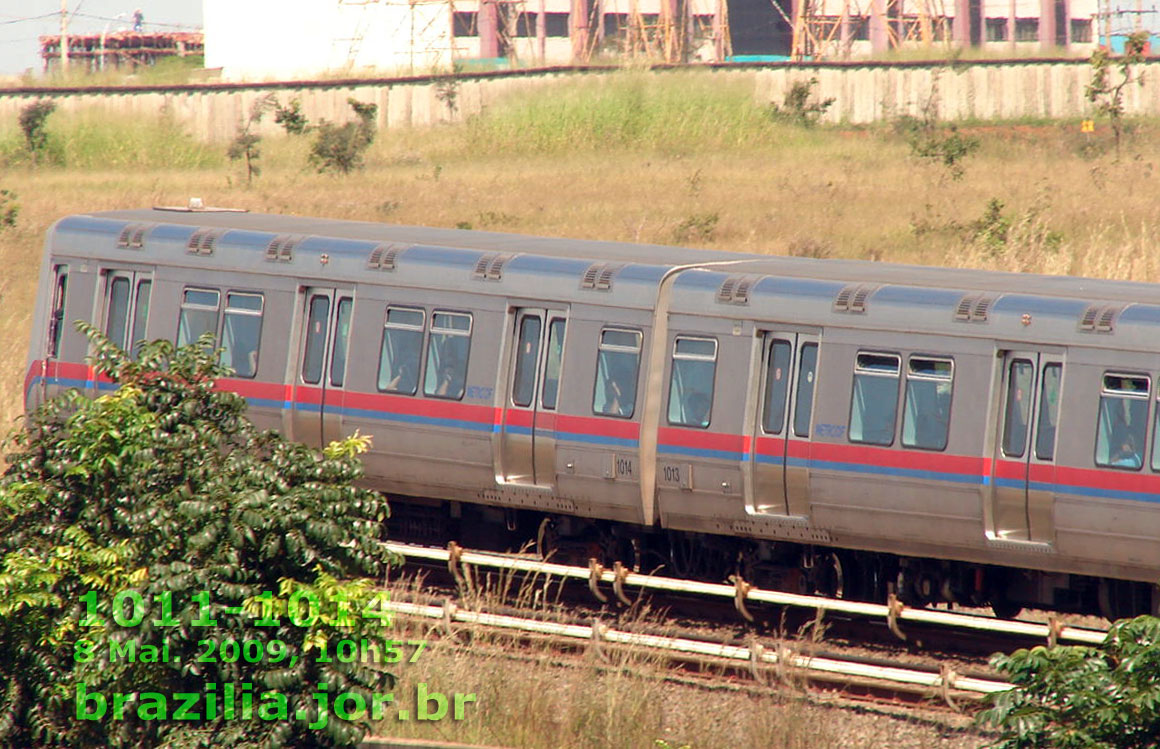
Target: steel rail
741	592
823	667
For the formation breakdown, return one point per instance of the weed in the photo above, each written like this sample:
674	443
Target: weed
340	148
991	229
696	182
497	218
9	209
465	225
945	146
818	249
699	227
447	91
32	123
797	108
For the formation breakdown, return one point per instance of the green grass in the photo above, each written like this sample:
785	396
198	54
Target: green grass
673	112
95	140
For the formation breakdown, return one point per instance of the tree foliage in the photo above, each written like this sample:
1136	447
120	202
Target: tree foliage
245	143
163	489
1105	697
1108	97
340	148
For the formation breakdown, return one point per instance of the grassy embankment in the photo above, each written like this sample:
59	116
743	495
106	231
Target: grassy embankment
682	160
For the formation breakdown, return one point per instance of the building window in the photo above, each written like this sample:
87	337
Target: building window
996	29
1026	29
874	403
464	23
1122	425
556	24
617	366
1081	31
860	28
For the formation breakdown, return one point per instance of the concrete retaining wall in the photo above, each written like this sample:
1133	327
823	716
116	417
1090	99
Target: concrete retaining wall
863	93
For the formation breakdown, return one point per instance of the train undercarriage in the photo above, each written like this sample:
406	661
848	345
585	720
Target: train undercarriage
777	565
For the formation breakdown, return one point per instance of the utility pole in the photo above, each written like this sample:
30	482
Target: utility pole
64	35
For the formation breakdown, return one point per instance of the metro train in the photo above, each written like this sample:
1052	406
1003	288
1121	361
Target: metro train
844	427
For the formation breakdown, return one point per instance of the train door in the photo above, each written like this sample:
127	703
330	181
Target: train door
319	379
527	443
778	464
1023	471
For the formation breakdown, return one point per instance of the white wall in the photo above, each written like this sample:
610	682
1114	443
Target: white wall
286	39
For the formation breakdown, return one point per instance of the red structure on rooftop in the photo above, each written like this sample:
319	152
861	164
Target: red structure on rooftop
93	52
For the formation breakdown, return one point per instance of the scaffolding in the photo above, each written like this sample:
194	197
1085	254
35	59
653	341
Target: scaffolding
95	52
820	34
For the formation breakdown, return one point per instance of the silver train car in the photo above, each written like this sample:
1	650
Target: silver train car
846	427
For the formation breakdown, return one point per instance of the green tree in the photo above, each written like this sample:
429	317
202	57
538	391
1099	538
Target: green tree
1105	697
164	492
1108	97
245	143
340	148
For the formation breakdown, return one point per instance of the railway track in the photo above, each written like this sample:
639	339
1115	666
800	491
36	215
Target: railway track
933	631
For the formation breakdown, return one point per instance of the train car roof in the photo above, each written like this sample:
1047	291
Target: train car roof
847	271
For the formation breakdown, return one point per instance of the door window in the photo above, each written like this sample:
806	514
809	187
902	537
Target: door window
527	353
804	391
316	327
777	372
552	364
1020	379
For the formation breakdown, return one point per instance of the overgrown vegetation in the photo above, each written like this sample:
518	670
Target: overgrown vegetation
1105	697
33	119
942	145
340	148
800	107
1108	97
9	209
290	117
149	519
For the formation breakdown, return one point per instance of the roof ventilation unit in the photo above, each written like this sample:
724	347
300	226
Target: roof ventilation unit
1100	318
281	248
598	276
384	256
202	242
489	267
974	307
853	297
735	290
133	236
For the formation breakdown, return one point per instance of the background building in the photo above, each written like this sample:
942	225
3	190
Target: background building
281	39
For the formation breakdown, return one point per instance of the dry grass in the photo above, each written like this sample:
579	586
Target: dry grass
529	694
852	193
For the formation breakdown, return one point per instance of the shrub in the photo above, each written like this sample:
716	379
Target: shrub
32	123
1093	697
797	108
164	493
340	148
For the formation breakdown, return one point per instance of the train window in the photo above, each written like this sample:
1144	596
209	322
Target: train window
1155	437
447	349
1020	380
56	323
617	367
927	412
117	311
1048	412
874	404
341	336
402	350
527	351
1122	425
777	371
804	392
318	315
552	364
140	315
199	314
691	384
242	332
